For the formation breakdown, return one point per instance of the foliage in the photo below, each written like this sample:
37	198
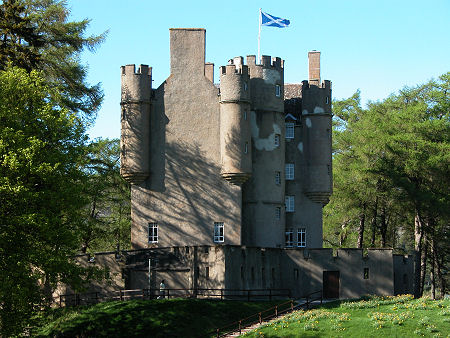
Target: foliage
36	34
41	146
400	316
155	318
107	215
390	170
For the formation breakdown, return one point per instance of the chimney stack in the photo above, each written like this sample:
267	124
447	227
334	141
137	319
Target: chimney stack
314	67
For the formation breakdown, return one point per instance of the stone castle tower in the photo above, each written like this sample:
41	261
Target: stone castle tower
244	163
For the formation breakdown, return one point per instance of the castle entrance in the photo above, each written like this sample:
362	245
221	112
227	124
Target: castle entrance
331	284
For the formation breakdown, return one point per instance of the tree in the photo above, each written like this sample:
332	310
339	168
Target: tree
391	164
41	146
36	34
107	216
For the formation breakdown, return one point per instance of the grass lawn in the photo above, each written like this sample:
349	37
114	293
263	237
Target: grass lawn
150	318
400	316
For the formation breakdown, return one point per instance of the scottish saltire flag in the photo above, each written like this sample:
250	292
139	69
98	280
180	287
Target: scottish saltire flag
273	21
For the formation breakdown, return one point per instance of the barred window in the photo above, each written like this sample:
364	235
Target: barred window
218	232
277	140
277	177
277	213
153	232
301	237
289	203
289	171
289	130
289	235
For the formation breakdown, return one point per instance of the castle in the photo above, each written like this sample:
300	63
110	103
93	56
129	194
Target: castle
244	163
228	181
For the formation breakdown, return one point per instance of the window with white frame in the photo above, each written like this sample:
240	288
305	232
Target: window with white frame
277	140
277	177
153	232
277	213
289	203
218	232
246	148
277	90
289	235
301	237
289	171
290	130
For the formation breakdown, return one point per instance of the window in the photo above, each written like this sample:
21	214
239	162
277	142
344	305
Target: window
327	100
277	90
289	130
277	140
246	148
245	115
218	232
289	203
366	273
245	85
296	274
289	234
277	177
153	232
277	213
289	171
301	237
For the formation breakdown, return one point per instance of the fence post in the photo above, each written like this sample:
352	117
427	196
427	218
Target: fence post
292	305
168	294
260	319
248	295
276	310
218	330
240	327
120	295
60	301
221	294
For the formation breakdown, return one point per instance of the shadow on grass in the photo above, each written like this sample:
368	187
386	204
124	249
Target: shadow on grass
163	318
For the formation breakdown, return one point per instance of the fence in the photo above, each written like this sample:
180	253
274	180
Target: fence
268	314
77	299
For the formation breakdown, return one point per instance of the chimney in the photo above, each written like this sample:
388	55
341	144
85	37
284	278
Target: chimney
314	67
187	51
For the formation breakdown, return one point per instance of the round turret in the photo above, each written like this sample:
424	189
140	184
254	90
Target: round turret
135	123
316	131
235	137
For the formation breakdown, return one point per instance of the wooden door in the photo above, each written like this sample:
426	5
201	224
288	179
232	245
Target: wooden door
331	284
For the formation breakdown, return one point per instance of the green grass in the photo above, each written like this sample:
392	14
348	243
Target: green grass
400	316
151	318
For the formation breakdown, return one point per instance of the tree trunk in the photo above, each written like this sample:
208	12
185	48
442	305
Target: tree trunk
418	234
374	223
423	265
362	218
432	269
383	226
440	275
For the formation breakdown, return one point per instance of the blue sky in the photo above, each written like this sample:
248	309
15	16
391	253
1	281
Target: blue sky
375	46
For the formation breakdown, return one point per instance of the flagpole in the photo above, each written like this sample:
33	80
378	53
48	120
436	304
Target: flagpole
259	39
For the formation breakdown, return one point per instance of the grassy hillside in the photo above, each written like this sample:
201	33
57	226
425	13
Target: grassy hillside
400	316
152	318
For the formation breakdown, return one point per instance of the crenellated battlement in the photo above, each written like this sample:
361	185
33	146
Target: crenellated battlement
131	70
266	61
234	69
326	84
